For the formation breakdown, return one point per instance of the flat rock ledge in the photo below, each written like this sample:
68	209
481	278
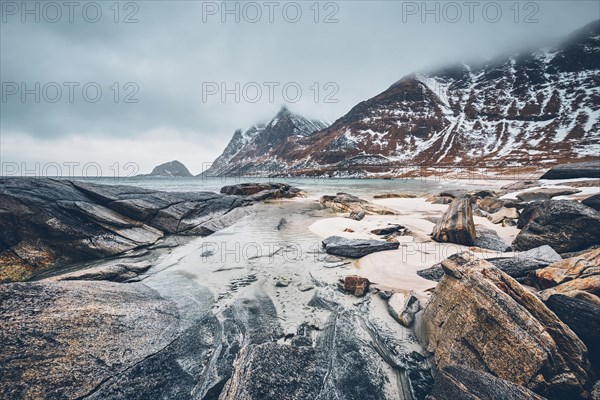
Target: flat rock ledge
355	248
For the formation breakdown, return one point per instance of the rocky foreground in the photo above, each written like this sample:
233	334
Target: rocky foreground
163	323
46	223
149	324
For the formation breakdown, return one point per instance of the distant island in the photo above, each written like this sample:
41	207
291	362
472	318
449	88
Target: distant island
171	168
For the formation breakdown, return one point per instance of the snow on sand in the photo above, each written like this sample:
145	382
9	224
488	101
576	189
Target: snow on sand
397	269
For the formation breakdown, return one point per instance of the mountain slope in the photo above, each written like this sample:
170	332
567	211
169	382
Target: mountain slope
260	148
542	106
534	108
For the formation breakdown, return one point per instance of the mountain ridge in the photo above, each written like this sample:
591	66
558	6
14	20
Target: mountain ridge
258	148
539	107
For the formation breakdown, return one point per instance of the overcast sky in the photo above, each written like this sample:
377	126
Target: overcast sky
162	66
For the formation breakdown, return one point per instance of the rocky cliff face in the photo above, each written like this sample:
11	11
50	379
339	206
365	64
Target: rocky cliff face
263	148
534	107
171	168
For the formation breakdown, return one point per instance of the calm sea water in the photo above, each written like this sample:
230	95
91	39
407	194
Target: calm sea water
313	186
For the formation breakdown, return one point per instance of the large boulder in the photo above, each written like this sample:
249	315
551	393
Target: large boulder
456	224
457	382
588	169
481	318
45	223
564	225
355	248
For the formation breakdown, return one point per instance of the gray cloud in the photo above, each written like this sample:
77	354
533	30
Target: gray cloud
170	52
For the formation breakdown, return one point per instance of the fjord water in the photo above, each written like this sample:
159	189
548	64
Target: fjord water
313	186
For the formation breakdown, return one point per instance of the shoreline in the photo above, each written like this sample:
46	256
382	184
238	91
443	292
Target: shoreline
261	278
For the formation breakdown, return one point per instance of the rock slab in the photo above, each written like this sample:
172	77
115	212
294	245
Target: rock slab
79	334
355	248
275	371
522	263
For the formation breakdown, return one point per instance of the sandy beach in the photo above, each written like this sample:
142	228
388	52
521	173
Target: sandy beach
396	270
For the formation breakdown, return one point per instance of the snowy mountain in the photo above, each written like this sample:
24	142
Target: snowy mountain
535	108
172	168
260	148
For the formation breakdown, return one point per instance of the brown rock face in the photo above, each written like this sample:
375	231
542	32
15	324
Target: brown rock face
356	285
583	266
456	225
481	318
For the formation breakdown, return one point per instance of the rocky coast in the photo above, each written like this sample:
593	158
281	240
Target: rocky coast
265	292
